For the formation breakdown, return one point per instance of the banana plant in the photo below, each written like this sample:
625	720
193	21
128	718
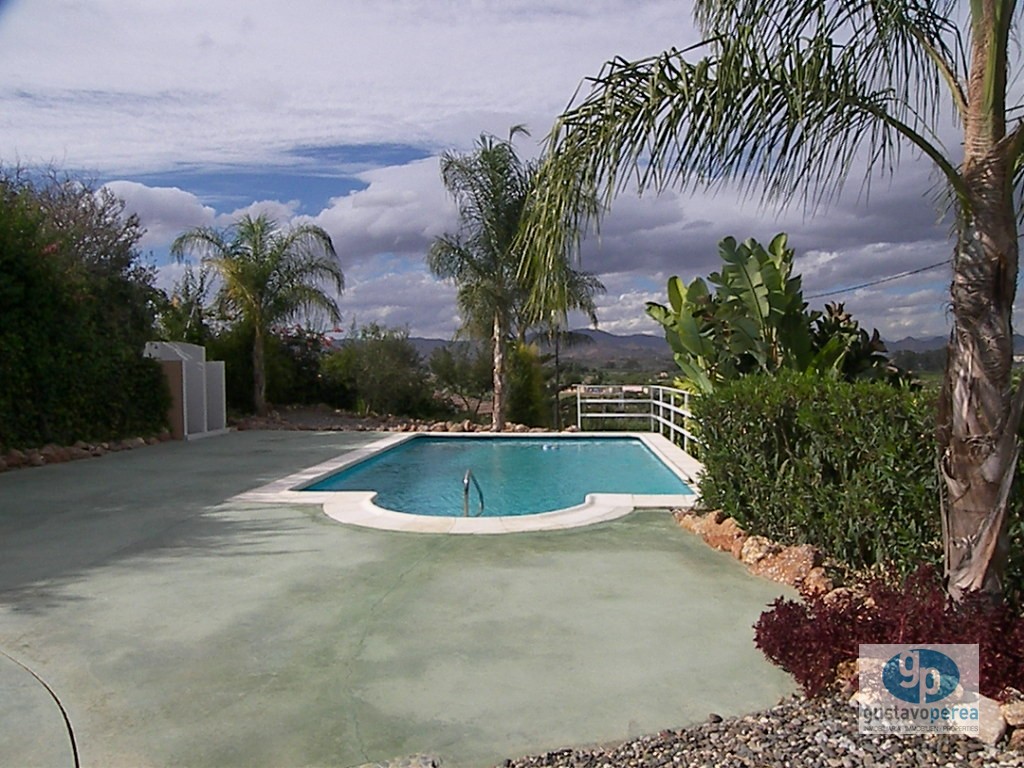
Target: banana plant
756	320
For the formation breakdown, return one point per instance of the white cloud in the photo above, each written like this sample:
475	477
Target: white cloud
399	292
137	85
165	212
274	209
402	209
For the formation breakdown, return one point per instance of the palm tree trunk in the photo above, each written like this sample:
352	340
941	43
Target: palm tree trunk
498	415
259	373
979	417
558	385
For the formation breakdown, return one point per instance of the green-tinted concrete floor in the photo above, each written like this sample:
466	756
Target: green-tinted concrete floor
178	628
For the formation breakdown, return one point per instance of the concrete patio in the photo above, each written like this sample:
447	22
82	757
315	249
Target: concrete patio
179	628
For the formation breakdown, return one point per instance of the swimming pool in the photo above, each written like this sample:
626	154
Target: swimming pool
512	475
589	503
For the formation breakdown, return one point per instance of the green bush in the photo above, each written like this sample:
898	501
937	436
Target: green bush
77	310
527	401
847	467
380	369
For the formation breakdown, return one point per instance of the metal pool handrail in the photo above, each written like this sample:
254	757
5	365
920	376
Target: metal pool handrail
465	494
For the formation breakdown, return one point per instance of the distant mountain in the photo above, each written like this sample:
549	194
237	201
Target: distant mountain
912	344
587	346
597	348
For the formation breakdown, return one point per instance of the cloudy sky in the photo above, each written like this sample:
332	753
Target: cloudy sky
335	112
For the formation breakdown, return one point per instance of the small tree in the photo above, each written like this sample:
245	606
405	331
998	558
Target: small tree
268	276
462	371
185	316
384	370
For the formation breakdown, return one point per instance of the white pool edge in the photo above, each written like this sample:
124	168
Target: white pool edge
358	508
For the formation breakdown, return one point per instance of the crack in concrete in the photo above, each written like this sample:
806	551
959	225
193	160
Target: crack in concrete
60	705
438	543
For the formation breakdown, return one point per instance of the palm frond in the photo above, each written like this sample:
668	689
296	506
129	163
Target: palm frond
785	104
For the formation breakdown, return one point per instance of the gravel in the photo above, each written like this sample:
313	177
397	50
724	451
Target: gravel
798	733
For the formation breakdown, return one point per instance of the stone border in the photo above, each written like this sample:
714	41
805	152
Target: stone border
52	453
799	567
358	507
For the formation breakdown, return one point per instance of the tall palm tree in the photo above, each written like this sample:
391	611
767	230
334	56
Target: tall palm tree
788	96
268	276
491	187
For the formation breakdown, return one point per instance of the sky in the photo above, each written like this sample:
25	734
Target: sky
336	112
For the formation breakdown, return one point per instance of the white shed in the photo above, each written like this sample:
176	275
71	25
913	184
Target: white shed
198	397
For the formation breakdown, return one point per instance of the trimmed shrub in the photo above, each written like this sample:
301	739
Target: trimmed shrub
847	467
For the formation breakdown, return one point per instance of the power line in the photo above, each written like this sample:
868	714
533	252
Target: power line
888	279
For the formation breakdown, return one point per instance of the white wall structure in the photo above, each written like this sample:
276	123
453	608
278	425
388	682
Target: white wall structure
198	397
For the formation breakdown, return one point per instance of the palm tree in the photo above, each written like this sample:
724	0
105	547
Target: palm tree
789	96
491	187
267	276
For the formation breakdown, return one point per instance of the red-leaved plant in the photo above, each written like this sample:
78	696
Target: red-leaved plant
810	639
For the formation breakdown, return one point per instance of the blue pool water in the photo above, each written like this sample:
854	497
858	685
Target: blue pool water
518	476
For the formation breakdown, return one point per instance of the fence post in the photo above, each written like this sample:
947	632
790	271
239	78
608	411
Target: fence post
686	427
579	407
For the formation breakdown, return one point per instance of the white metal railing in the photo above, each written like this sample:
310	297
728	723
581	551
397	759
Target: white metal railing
468	478
665	409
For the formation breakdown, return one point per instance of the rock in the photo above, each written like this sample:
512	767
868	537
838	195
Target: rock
736	550
816	582
1013	713
455	427
36	459
790	566
54	454
152	440
79	453
693	523
837	595
846	675
520	428
16	458
137	442
439	426
991	723
1016	740
3	464
723	535
756	548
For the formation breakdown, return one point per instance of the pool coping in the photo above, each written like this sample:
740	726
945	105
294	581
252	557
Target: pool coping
358	507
